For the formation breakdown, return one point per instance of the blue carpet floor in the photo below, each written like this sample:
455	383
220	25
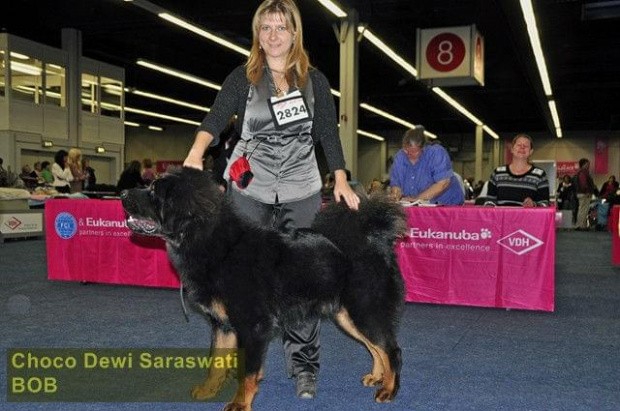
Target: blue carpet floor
455	358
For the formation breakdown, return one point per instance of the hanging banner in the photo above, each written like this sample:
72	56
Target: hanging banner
601	155
450	56
567	168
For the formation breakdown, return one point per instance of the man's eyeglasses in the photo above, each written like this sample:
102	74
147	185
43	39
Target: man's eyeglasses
412	150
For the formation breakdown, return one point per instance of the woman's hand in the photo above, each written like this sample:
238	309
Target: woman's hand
194	157
528	202
343	190
193	160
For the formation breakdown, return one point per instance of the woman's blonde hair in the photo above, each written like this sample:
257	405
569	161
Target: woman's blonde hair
75	158
297	62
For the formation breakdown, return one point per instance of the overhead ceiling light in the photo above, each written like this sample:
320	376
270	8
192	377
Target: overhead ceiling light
370	36
457	106
169	100
177	73
131	124
203	33
19	56
491	132
156	128
26	68
532	31
370	135
162	116
331	6
556	118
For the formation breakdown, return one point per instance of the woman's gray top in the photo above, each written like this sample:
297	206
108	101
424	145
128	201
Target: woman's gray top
282	160
232	99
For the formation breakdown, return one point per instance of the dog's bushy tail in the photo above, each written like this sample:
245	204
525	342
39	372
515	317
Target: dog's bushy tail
378	223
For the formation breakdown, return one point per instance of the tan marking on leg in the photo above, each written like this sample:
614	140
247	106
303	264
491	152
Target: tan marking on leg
375	377
217	376
245	395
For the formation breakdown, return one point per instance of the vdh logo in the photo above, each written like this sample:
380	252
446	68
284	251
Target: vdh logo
65	225
13	223
520	242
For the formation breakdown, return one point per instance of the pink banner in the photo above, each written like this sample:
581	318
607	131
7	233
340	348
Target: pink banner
601	155
567	168
88	240
480	256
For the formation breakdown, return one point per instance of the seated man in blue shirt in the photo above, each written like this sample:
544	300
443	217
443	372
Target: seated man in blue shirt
423	171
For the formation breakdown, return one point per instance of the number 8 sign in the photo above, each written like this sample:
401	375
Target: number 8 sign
451	56
445	52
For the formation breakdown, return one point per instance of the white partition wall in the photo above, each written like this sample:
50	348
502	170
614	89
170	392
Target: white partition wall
40	115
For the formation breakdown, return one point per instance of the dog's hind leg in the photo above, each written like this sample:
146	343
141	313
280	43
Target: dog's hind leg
375	377
255	348
386	358
221	344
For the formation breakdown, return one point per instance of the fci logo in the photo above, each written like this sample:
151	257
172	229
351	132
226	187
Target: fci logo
13	223
520	242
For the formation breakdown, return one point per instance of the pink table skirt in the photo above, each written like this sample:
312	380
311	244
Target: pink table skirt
480	256
488	257
88	240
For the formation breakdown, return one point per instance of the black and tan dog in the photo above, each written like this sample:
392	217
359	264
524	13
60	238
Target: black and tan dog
250	279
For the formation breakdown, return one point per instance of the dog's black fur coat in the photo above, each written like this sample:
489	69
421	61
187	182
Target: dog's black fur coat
261	278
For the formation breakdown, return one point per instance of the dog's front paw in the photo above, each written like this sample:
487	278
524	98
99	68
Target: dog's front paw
370	380
384	395
237	406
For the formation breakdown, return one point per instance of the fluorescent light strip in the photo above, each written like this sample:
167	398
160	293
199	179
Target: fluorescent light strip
370	36
25	68
331	6
155	128
456	105
132	124
163	116
556	118
203	33
169	100
370	135
532	31
179	74
491	132
19	56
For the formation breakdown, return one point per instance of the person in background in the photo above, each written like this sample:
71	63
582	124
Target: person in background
4	174
46	172
285	192
423	171
519	183
130	177
585	188
74	162
148	174
36	173
567	199
26	176
61	172
89	173
608	187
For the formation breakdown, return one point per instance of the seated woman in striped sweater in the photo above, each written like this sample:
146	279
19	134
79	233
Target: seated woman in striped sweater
519	183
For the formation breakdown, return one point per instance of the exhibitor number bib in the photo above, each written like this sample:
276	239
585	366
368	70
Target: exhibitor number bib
289	110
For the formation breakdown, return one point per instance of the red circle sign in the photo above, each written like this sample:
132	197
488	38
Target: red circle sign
445	52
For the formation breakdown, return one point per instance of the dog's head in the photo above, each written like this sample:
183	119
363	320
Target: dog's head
172	203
